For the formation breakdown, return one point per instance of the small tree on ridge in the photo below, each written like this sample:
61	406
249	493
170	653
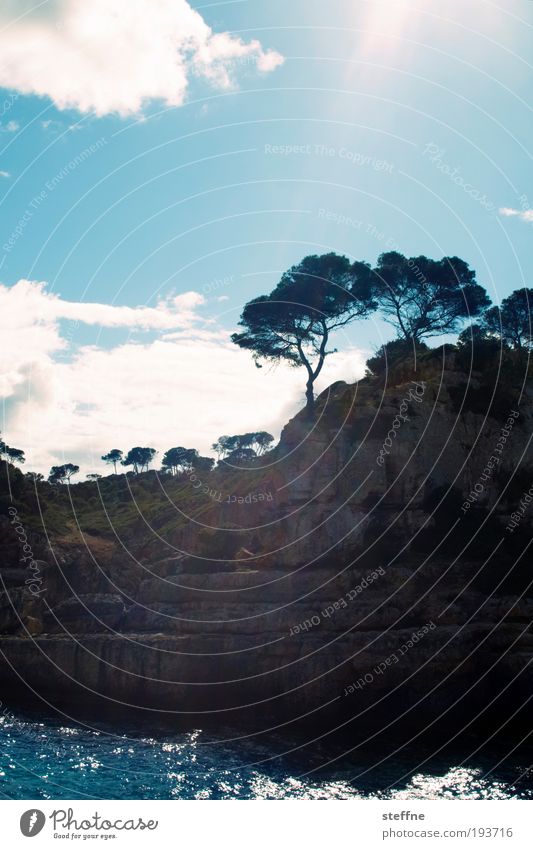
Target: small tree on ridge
294	323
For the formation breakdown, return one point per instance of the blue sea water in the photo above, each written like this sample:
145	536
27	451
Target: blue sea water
47	759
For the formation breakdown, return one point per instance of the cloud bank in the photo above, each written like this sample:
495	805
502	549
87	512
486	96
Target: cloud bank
111	56
185	385
523	214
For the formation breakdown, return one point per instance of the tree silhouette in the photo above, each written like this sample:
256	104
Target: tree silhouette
512	323
423	297
294	322
36	477
392	352
62	474
223	446
177	460
114	457
240	455
171	460
259	441
139	458
15	455
12	455
478	349
203	464
94	477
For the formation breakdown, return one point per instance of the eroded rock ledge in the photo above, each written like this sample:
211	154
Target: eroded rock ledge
172	600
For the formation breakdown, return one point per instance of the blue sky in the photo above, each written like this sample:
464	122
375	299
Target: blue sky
388	124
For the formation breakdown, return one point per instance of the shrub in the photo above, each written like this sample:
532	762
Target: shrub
393	353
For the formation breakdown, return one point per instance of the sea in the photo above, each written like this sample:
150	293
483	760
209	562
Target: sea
50	758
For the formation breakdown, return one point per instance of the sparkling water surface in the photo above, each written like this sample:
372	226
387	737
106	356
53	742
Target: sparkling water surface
45	759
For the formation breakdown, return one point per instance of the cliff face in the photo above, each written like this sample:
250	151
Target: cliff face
368	564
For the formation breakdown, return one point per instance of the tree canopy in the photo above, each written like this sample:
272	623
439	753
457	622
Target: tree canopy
259	441
177	460
240	455
512	321
139	458
294	322
63	474
222	446
391	352
36	477
423	297
203	464
12	455
114	457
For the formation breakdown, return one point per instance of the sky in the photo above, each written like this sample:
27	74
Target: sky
163	162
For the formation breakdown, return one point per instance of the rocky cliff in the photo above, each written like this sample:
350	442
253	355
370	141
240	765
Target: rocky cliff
376	563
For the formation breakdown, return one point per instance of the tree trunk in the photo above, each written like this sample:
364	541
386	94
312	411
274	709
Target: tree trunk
310	398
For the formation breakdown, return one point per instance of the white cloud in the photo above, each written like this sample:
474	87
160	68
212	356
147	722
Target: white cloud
29	301
110	56
523	214
188	386
31	316
5	174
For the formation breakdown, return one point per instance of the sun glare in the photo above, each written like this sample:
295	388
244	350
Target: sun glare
383	23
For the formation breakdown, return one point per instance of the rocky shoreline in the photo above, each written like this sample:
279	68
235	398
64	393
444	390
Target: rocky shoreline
298	605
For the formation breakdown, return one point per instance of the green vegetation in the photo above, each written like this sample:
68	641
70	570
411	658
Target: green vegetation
312	299
139	458
115	456
418	296
63	474
256	442
399	350
511	323
423	297
177	460
11	455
